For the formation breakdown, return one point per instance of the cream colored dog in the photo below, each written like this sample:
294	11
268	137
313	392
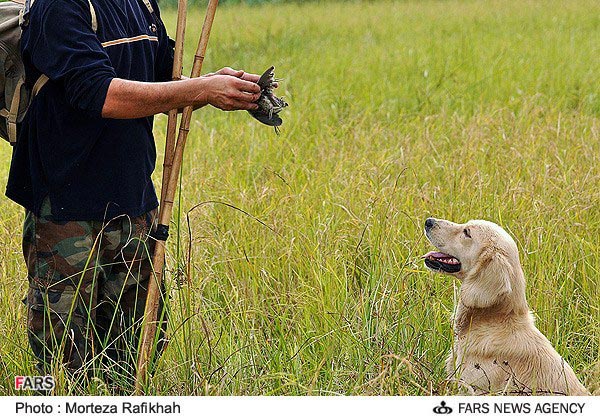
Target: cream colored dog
497	348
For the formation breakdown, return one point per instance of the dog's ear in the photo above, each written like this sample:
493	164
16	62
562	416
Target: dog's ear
489	283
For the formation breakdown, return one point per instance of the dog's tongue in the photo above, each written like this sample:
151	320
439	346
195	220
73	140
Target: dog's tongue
436	254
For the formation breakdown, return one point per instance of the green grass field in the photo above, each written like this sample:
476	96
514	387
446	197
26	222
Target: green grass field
399	111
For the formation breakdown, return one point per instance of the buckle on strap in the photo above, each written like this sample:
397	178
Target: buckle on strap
161	233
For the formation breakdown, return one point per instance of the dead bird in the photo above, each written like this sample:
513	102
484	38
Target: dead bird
269	105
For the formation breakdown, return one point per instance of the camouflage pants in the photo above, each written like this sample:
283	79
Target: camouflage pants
87	292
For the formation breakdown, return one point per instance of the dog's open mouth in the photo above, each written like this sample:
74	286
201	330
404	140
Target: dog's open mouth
442	262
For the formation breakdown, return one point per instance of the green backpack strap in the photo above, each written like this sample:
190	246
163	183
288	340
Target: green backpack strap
149	6
94	18
43	79
13	113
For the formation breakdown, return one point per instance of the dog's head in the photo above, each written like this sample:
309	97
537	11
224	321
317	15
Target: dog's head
479	253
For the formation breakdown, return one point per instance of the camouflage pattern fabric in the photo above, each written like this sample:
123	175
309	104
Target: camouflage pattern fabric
87	292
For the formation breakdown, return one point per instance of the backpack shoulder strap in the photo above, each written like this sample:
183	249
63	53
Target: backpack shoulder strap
13	113
94	18
43	79
149	6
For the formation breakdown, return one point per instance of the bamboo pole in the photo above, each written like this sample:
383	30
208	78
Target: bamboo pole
177	71
153	299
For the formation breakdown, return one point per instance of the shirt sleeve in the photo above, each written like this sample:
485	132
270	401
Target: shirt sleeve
165	56
66	49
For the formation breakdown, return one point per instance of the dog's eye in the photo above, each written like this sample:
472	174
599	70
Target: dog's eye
467	233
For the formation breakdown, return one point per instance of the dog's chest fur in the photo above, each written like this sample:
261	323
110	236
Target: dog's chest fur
499	351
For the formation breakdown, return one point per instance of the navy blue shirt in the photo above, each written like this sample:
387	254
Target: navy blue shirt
91	168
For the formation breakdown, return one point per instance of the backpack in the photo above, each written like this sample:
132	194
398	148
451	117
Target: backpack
14	97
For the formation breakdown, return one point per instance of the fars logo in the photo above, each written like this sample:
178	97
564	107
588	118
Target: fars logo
34	383
442	408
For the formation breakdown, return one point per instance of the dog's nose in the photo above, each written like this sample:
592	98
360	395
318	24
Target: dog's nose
429	223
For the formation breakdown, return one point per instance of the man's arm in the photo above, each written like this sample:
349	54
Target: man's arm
226	90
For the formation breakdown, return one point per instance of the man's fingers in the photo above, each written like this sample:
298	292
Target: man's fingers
248	86
240	105
230	71
249	106
251	77
247	97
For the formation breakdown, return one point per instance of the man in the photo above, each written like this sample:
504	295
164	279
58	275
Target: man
82	168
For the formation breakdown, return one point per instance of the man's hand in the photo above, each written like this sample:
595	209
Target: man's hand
228	90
